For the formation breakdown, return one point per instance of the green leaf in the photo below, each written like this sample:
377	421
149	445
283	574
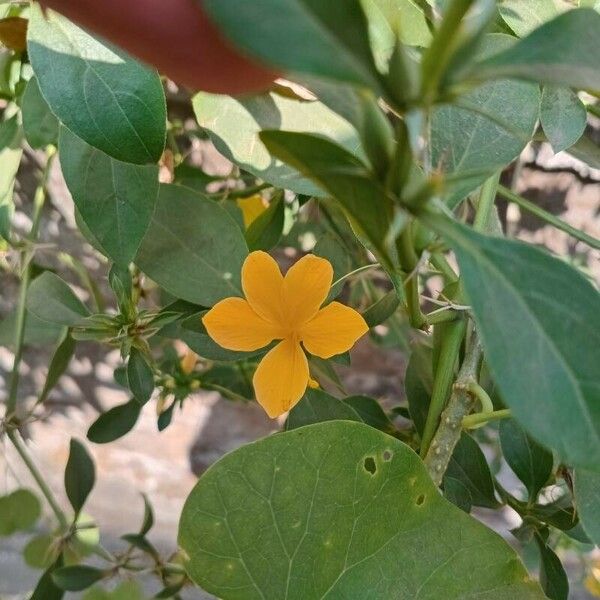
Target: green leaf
114	423
563	116
456	491
126	590
530	461
140	377
148	520
418	385
264	232
587	151
46	589
80	475
484	130
355	502
233	125
58	365
41	551
37	332
469	466
19	511
382	310
77	577
39	123
49	298
317	406
343	175
587	495
539	321
327	39
100	93
193	248
371	413
524	17
115	199
553	578
563	51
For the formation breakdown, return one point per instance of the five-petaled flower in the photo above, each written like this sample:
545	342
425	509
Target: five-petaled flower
286	309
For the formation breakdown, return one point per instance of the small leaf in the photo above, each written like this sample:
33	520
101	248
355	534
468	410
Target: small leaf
19	511
102	95
469	466
77	577
58	365
41	551
114	423
140	377
80	475
563	116
587	496
51	299
317	406
46	589
553	578
115	199
456	491
382	310
539	321
39	123
265	231
148	520
350	499
530	461
193	248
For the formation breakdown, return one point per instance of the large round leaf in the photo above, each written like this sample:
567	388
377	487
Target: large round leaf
234	123
484	130
339	510
193	248
104	96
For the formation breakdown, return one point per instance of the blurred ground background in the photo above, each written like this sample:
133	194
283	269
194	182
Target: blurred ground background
165	466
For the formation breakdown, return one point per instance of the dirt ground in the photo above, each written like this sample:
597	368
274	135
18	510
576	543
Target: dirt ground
165	467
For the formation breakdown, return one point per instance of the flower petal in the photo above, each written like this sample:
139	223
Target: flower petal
305	288
333	330
234	325
281	378
262	283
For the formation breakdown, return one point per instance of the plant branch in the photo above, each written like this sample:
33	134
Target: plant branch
21	448
460	404
548	217
477	419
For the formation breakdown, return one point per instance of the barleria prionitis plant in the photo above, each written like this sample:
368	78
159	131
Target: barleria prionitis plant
380	155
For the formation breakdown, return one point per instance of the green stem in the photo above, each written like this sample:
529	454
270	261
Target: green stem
409	262
440	262
549	218
460	404
472	421
20	447
487	196
441	316
442	381
26	257
593	109
355	272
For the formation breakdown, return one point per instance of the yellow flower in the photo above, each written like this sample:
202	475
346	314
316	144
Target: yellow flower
287	309
252	207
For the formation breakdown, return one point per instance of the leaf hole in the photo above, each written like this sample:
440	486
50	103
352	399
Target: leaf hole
387	455
420	500
370	465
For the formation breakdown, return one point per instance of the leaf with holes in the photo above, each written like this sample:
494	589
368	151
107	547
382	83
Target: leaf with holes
101	94
262	518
